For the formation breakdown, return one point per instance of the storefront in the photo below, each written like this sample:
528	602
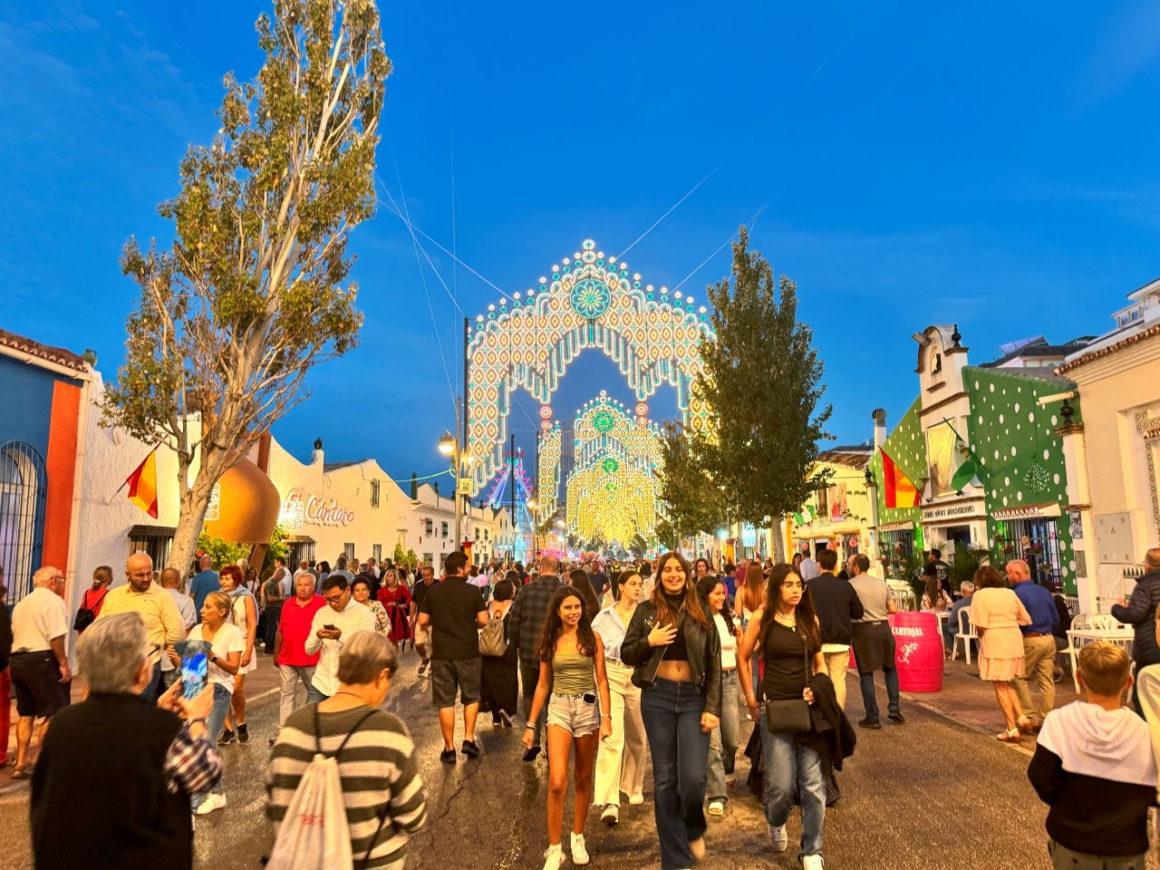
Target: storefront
837	516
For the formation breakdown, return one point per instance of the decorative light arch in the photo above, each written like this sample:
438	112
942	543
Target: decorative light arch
589	301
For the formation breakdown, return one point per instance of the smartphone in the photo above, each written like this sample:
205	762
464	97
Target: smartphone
589	698
329	627
194	674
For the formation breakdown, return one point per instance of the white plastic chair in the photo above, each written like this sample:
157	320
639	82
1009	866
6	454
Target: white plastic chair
966	634
1104	622
1080	621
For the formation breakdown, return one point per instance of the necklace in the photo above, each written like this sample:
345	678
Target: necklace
789	620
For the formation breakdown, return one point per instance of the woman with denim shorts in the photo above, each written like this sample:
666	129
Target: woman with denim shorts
786	636
572	664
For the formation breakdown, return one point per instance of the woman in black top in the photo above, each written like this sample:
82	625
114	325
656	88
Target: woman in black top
786	634
676	652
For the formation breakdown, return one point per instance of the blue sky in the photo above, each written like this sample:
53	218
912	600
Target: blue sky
987	164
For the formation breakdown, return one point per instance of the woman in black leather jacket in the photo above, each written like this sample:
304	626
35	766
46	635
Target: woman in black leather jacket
676	652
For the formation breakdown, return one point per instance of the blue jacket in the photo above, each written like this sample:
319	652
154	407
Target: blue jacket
1141	612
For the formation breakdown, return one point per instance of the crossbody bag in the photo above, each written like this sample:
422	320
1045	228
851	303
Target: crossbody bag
790	716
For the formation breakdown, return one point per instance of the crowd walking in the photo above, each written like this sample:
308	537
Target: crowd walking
666	676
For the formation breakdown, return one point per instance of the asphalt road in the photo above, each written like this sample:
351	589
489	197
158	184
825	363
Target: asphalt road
928	794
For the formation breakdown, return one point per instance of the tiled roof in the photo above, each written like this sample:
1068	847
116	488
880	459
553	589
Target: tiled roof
57	355
1110	349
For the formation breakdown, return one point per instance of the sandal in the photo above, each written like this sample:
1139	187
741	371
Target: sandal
22	772
1012	736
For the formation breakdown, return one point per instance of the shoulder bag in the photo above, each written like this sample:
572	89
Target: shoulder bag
790	716
87	613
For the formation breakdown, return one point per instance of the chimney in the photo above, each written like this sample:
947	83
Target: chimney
317	453
879	415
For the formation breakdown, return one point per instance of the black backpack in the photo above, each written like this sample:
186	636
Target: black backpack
86	615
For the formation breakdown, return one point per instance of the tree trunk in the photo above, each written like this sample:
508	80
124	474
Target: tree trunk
191	515
778	540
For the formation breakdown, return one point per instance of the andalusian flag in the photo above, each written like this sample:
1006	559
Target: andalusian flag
807	515
967	467
900	491
143	485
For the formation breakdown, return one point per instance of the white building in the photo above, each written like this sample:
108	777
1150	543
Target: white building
432	530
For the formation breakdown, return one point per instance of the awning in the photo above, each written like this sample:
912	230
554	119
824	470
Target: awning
152	532
1047	510
299	539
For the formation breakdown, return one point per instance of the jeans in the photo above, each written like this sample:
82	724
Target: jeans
313	696
723	740
168	678
620	758
672	719
213	726
791	767
870	703
291	675
151	691
530	676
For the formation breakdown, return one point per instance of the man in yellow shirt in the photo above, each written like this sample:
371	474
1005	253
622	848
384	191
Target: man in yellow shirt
163	625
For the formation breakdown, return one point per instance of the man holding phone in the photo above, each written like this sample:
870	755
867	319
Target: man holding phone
340	618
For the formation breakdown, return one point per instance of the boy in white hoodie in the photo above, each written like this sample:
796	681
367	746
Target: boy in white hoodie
1094	767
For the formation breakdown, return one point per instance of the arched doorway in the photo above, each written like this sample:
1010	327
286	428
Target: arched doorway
23	490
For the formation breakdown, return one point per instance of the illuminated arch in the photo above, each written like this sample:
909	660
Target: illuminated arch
589	301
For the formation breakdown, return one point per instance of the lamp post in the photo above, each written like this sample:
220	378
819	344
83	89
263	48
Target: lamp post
449	447
532	505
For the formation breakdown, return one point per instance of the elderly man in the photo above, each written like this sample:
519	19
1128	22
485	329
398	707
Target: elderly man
294	663
119	768
155	607
1142	611
874	645
951	626
1038	647
40	672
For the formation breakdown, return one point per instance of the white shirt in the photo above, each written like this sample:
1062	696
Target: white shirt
227	640
38	619
356	617
728	643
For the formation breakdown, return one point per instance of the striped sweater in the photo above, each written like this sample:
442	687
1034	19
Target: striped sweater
380	777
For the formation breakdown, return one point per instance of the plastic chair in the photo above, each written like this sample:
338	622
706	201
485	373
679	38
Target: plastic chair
1080	621
1104	622
966	634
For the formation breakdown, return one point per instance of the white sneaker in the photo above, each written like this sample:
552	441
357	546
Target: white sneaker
813	862
716	808
778	838
213	801
635	799
611	815
554	857
579	850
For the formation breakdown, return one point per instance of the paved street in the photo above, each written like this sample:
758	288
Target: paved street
929	794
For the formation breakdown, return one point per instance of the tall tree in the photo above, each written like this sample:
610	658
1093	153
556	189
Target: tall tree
761	381
254	289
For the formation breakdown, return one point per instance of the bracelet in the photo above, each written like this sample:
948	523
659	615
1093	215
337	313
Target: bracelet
530	725
606	716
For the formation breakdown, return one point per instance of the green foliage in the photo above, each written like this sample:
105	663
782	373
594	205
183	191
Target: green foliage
277	548
761	382
399	557
967	560
254	288
667	535
411	560
222	552
691	502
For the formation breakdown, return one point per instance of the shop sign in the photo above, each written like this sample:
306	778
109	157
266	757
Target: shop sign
951	512
314	510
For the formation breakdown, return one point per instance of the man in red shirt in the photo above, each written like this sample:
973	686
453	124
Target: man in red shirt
290	643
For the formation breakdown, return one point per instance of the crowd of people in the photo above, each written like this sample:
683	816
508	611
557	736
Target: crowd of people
661	658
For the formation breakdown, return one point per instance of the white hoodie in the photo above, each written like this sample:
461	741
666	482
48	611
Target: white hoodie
1092	741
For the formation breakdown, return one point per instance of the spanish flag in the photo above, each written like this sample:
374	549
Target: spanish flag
143	485
900	491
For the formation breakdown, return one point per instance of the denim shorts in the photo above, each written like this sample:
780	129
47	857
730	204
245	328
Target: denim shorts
574	714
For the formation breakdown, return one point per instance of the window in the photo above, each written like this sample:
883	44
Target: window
153	540
377	552
444	526
349	550
374	493
428	526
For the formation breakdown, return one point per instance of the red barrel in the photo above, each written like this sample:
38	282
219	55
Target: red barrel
918	651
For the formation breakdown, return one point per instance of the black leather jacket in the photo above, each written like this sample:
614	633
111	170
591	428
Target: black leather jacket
704	647
1141	612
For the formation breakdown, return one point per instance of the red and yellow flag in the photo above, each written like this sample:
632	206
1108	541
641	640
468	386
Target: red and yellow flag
143	485
900	491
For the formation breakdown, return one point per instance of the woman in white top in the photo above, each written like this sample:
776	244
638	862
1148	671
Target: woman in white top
620	758
244	615
723	741
223	644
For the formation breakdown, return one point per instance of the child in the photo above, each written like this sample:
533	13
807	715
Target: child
1094	767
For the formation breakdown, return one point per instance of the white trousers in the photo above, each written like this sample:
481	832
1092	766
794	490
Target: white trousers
620	759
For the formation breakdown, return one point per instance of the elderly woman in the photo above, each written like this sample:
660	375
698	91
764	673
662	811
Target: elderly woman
384	796
360	590
119	768
396	599
997	613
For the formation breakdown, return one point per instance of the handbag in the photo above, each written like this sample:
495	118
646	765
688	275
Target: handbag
791	716
85	614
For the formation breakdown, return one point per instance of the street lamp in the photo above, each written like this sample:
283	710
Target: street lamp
449	447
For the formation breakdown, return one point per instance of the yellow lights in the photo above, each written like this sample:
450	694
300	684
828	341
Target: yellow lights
447	444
